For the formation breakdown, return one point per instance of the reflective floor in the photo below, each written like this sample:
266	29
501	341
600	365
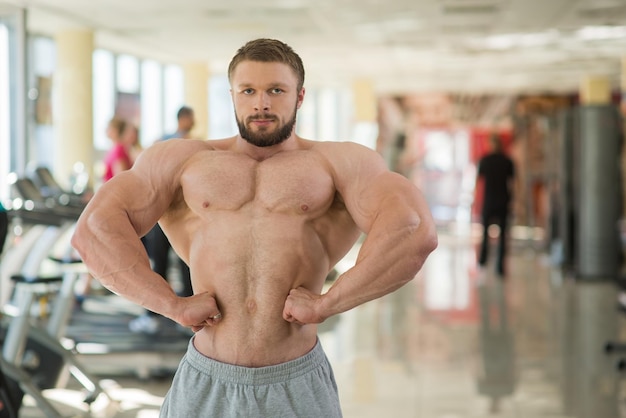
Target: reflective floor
462	342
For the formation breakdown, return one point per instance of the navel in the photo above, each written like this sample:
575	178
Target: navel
251	305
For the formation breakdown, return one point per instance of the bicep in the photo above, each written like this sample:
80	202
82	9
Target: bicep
396	199
386	198
128	199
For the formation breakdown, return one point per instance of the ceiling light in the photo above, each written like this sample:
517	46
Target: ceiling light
595	33
514	40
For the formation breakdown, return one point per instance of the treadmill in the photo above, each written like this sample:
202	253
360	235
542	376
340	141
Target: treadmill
97	329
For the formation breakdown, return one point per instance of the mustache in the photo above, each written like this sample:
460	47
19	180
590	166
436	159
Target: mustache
261	116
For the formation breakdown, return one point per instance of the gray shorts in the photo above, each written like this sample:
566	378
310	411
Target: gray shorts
302	388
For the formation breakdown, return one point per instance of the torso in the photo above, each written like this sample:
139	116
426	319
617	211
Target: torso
251	231
117	154
497	170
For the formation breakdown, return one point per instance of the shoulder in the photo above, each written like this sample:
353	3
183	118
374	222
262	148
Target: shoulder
179	144
335	145
489	159
170	154
353	166
347	152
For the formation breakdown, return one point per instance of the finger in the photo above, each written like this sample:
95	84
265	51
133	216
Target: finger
287	317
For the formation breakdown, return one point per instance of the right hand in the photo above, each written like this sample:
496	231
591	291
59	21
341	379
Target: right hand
199	311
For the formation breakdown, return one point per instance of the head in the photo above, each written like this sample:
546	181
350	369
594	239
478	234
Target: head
115	128
495	143
268	50
130	136
266	78
186	119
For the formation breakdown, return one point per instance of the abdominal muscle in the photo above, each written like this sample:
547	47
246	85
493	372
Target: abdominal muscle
250	273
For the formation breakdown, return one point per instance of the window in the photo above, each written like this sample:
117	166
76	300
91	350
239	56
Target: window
12	97
151	127
127	74
222	123
173	97
103	96
306	126
40	128
5	117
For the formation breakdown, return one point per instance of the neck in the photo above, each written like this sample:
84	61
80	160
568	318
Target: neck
263	153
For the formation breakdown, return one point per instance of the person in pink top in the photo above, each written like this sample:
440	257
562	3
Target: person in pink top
118	158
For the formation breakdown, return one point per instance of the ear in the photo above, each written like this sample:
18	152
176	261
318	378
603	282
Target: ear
300	98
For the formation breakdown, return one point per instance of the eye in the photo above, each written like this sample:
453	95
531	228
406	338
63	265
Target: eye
248	91
276	90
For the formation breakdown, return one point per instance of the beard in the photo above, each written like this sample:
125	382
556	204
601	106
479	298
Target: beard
264	138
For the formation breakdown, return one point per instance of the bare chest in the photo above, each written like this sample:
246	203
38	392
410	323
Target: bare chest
293	182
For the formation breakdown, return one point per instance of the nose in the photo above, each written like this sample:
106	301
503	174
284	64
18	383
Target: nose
262	103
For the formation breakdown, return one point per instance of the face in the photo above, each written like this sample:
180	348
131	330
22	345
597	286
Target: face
130	137
113	133
187	122
266	99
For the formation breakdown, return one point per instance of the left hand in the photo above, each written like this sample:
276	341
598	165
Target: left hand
302	307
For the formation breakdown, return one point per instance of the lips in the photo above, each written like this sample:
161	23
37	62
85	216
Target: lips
261	123
261	119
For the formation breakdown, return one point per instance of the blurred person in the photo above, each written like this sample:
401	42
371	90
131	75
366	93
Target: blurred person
130	138
186	121
497	171
117	158
261	218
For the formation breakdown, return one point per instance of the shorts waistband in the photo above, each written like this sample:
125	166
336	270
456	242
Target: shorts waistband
265	375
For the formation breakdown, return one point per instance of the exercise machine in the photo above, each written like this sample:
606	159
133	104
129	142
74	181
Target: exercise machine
100	331
33	357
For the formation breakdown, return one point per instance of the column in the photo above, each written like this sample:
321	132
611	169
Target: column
72	109
197	96
595	90
365	110
598	168
364	101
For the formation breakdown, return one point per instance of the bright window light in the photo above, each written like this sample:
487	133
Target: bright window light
174	96
127	74
5	120
103	96
151	102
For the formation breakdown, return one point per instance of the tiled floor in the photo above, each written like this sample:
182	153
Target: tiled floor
461	342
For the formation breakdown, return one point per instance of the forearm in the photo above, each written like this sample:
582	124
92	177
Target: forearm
388	259
114	254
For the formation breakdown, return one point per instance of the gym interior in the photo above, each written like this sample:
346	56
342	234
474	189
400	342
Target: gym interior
425	85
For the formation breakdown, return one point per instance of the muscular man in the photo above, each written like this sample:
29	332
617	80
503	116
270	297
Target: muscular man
260	218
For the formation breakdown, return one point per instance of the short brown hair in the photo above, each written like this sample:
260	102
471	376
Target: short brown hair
269	50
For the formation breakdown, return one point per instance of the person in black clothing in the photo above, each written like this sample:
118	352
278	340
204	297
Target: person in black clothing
497	171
